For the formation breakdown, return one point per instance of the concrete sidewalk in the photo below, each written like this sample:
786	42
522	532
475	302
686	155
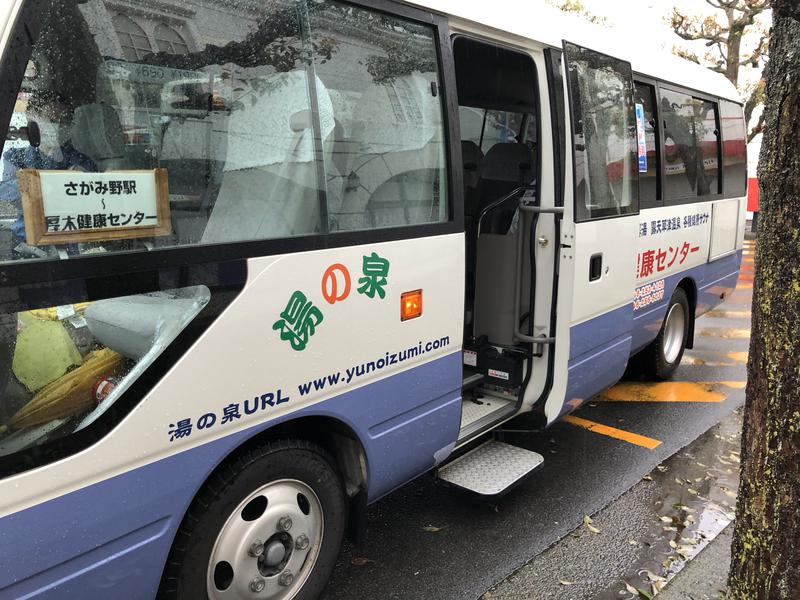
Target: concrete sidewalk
705	577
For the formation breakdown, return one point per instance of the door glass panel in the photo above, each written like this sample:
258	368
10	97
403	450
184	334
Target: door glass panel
604	128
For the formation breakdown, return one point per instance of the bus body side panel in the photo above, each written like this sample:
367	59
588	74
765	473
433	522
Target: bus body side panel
675	244
599	351
121	529
396	384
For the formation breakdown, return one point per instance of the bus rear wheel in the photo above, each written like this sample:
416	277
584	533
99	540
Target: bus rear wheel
269	526
664	354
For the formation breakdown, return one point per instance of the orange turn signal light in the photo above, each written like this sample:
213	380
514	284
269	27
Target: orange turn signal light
410	305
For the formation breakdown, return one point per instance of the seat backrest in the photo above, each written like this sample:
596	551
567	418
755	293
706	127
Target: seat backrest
269	186
97	133
506	166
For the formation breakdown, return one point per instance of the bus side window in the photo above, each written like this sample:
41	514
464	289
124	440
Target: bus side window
385	160
734	145
691	146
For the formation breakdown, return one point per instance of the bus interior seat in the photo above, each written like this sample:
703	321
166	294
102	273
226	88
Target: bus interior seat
506	167
472	159
97	133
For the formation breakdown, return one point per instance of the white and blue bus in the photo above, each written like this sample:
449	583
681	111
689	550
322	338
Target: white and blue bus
264	261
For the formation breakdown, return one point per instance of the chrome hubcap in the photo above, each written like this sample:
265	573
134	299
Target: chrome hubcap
674	330
287	516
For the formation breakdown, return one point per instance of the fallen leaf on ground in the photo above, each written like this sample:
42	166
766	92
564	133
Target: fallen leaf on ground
631	589
565	582
360	561
653	577
666	519
433	528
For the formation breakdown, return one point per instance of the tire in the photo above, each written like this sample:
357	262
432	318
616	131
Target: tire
660	359
236	533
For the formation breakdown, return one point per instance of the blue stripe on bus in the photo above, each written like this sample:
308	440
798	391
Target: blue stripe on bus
115	535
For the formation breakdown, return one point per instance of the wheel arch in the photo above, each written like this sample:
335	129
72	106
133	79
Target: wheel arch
336	438
689	286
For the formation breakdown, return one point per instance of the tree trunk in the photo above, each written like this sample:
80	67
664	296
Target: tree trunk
766	558
733	50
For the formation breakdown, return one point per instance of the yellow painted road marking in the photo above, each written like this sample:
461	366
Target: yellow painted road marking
669	391
725	333
694	360
737	385
732	314
740	357
619	434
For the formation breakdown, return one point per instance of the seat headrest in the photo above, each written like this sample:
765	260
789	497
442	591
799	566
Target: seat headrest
97	132
508	162
471	155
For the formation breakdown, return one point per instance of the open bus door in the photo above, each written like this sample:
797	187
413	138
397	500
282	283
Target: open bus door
597	288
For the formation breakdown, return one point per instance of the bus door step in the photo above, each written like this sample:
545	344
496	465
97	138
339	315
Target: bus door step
491	469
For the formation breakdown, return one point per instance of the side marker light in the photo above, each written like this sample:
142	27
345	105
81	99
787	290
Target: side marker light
410	305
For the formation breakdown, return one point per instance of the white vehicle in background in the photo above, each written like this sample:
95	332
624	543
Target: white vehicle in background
336	251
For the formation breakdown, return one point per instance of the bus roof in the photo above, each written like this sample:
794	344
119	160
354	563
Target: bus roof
548	25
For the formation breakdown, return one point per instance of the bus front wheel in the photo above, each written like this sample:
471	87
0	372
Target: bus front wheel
268	525
663	355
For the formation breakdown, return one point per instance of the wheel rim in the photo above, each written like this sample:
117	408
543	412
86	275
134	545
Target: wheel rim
674	330
269	544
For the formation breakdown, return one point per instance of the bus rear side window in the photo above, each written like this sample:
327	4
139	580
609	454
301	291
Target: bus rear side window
290	118
734	149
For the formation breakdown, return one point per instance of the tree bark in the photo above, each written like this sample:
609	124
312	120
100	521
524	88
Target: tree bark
765	563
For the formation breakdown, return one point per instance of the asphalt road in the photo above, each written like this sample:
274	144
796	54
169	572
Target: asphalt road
428	541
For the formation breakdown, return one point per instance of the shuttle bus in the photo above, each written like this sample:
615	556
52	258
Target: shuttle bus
263	262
